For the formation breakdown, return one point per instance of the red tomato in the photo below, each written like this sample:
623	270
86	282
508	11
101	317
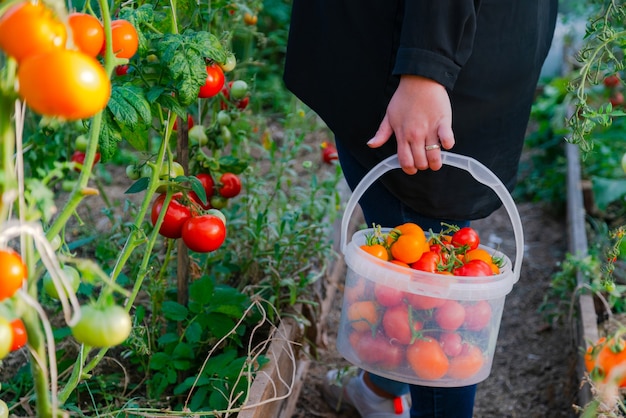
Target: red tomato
329	152
20	338
28	29
466	237
213	83
87	33
451	343
208	184
176	215
421	302
429	262
388	296
204	233
189	123
230	185
450	315
13	272
477	315
611	80
474	268
376	349
78	157
121	70
399	325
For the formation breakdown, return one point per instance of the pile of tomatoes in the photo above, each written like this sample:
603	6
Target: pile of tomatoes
433	338
453	251
74	84
199	222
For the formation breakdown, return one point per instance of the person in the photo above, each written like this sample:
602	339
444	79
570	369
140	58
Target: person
413	77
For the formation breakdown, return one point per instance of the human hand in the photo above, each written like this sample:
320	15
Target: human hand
420	115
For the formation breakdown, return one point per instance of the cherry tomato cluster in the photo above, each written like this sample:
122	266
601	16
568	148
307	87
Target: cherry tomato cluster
75	84
435	338
453	251
199	223
235	94
13	273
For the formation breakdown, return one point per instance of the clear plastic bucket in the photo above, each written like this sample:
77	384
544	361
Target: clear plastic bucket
433	355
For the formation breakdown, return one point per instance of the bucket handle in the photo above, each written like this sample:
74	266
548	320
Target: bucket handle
480	173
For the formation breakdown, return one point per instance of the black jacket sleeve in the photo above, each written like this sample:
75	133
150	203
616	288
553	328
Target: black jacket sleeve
436	38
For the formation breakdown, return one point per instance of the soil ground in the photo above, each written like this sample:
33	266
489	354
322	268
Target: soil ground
534	367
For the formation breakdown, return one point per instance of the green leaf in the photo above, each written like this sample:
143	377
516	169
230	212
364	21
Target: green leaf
201	291
182	356
606	191
198	189
128	110
159	361
193	333
174	311
167	338
138	186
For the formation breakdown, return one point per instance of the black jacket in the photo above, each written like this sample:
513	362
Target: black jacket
344	58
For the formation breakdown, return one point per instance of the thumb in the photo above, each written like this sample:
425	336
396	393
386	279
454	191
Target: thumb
382	134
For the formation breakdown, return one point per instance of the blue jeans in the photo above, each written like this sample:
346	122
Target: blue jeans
381	207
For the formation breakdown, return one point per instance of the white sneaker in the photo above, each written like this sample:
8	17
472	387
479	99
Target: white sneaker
345	388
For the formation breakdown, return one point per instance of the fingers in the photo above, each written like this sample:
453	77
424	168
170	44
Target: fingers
382	134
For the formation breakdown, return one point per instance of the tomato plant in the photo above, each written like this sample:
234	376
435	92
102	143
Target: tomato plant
20	337
73	86
230	185
13	272
28	29
87	33
102	326
213	83
204	233
176	215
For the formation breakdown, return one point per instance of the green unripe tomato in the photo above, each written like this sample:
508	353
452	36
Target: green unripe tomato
6	337
223	118
238	89
197	136
229	64
226	134
4	410
218	202
70	273
146	170
102	326
80	143
218	213
133	172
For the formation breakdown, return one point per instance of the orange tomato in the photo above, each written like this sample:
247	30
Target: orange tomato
125	40
87	33
13	272
377	250
427	359
466	364
64	83
28	29
408	248
363	315
612	356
